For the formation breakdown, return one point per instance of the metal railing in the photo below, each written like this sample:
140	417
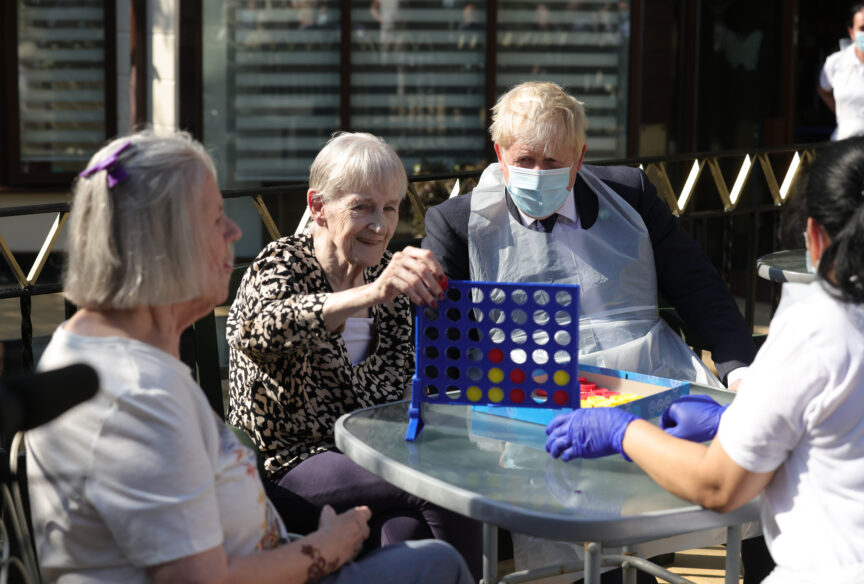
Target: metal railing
719	208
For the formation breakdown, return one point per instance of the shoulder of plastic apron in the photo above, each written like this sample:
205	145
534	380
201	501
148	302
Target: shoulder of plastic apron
627	182
621	187
492	181
490	190
492	177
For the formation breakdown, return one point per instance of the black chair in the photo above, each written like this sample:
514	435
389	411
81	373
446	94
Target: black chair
18	563
202	349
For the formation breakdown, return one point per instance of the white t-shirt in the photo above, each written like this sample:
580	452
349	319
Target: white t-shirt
843	74
800	410
142	474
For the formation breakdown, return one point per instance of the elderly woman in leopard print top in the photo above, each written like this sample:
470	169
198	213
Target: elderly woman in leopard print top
321	326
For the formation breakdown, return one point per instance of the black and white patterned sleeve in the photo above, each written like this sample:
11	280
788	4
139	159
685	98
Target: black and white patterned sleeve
276	310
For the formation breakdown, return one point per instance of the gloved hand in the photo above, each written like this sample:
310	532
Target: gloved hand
588	433
692	417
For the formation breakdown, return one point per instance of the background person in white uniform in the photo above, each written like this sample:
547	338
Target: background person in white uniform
841	82
795	432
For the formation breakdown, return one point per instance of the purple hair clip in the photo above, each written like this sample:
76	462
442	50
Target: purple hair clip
116	172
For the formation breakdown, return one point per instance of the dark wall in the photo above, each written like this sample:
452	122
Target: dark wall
821	25
660	61
717	75
741	65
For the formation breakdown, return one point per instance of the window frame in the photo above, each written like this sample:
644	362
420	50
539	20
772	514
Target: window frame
12	174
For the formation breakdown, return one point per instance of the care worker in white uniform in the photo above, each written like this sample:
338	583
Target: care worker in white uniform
841	82
795	431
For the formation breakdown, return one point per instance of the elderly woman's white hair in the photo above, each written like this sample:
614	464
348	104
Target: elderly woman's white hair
539	114
140	241
356	162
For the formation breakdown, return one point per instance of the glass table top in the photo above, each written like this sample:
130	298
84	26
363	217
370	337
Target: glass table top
496	469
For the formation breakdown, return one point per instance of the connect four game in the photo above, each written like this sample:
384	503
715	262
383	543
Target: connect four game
493	343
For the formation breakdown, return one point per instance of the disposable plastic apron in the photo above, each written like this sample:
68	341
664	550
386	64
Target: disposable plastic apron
613	262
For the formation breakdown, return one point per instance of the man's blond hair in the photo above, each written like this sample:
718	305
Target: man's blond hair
540	114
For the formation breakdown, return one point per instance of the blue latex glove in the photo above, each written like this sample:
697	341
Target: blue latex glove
692	417
588	433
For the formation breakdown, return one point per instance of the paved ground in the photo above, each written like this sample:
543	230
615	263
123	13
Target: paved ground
46	313
702	566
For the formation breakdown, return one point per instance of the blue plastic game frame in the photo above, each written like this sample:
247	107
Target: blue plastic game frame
496	343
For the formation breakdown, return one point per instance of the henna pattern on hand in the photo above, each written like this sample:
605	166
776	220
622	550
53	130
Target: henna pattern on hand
319	566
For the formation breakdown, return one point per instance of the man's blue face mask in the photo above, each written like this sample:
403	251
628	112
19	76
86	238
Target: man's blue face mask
859	40
538	193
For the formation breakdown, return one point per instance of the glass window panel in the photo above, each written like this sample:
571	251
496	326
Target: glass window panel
273	74
418	79
61	83
271	86
584	47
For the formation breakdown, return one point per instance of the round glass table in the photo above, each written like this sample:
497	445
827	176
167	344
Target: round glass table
495	469
784	266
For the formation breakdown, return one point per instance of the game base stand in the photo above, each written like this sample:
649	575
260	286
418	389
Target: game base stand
645	396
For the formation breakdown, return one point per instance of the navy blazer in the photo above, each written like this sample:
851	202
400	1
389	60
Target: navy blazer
685	276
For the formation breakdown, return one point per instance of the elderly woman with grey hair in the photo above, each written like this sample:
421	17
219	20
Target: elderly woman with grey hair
143	483
322	326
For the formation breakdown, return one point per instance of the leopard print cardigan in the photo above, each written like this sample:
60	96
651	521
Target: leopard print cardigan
290	378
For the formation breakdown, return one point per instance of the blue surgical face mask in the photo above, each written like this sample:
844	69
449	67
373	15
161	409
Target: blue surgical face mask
859	40
538	193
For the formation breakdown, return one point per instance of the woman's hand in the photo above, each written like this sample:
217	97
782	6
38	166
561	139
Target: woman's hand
414	272
347	531
336	542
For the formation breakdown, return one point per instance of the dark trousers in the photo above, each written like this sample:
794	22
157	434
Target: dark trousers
756	560
330	478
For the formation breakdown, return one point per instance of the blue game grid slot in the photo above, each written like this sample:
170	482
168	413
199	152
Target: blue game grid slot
495	343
